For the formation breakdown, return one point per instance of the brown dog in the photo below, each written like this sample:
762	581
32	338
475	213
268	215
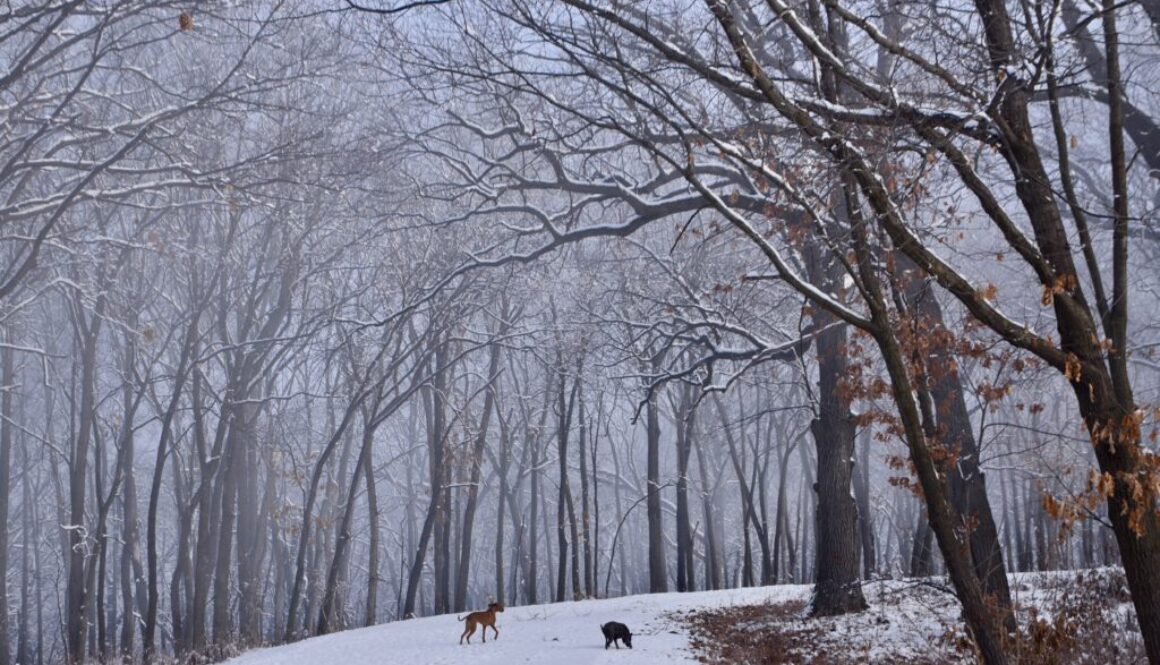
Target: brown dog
485	618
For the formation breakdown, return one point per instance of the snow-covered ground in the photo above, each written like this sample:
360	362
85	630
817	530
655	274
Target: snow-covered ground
908	621
556	634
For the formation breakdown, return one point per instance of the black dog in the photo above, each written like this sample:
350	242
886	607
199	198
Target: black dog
614	631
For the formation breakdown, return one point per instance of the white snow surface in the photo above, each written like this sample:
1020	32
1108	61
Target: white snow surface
908	621
557	634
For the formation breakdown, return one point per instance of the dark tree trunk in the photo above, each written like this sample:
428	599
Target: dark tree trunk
657	574
915	419
968	488
371	614
836	589
533	546
564	409
684	426
574	532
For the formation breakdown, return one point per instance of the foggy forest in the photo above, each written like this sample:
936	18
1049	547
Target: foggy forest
324	314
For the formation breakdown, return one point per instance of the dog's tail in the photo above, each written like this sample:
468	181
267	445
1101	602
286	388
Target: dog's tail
458	618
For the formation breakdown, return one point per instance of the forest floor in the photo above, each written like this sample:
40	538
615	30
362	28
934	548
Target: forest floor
1069	618
1076	617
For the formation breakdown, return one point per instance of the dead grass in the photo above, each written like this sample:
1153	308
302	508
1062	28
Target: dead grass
774	634
1083	618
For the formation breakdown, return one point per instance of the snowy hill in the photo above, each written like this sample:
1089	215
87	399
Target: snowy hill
1080	617
556	634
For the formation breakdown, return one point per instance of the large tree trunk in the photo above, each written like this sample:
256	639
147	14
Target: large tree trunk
968	489
836	589
941	514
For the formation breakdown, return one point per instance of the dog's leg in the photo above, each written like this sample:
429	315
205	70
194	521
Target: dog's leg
496	630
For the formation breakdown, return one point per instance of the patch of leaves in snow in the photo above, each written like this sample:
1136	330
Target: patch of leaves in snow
907	622
1073	618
